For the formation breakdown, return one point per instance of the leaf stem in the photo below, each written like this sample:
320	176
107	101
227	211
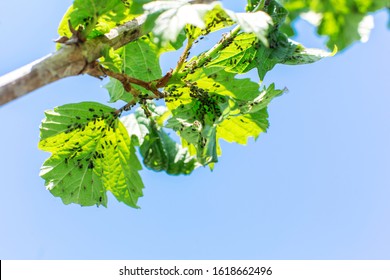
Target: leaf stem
207	56
223	43
96	70
184	55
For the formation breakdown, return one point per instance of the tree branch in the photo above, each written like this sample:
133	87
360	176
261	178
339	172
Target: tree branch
70	60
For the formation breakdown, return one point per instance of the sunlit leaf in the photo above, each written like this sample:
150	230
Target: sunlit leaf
96	17
214	20
256	23
91	153
168	18
239	128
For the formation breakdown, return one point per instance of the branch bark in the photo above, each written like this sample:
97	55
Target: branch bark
70	60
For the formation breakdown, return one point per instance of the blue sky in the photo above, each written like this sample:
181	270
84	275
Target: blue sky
316	186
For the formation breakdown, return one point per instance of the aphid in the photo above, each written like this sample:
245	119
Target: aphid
90	165
91	110
77	117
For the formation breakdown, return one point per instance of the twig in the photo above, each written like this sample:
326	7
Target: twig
70	60
184	55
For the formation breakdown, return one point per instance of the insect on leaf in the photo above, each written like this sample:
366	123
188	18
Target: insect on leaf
91	153
168	18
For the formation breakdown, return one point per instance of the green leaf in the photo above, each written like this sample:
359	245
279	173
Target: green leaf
96	17
246	52
213	105
111	59
136	7
212	81
162	153
63	27
239	128
303	55
257	23
261	101
251	5
159	151
91	153
65	179
238	56
277	12
215	19
139	59
251	118
342	23
195	122
168	18
117	91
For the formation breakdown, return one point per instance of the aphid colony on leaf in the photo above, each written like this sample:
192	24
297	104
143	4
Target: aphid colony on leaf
217	19
96	128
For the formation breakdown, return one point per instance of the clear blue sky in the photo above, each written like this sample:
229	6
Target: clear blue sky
316	186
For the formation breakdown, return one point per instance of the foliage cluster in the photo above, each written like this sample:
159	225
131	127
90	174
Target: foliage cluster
201	100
